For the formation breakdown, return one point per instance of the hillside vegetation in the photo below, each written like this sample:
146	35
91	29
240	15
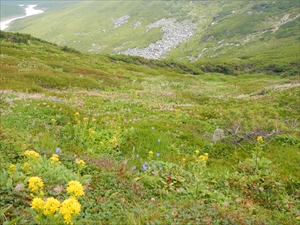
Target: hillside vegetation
181	30
141	141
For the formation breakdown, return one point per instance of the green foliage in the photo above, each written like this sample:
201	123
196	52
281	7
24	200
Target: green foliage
119	112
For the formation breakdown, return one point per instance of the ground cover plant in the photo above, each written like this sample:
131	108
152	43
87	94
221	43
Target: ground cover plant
116	140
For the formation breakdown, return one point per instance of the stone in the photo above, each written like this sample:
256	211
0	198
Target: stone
218	135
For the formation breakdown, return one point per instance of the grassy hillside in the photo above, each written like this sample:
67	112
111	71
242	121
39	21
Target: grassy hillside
231	29
145	132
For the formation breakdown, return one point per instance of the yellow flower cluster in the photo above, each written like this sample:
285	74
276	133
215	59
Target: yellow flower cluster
32	154
85	119
69	208
75	188
26	166
80	162
260	139
35	183
204	157
51	206
54	158
53	120
150	153
37	203
76	114
197	152
113	141
91	131
11	168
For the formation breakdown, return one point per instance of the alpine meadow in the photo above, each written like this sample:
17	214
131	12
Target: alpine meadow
150	112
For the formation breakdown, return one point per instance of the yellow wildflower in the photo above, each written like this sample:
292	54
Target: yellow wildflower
204	157
85	119
53	120
80	162
101	143
113	141
54	158
94	120
183	159
197	152
37	203
11	168
26	166
76	114
91	131
69	208
260	139
35	183
32	154
150	153
51	206
75	188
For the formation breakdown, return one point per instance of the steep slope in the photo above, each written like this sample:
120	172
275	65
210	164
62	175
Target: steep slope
180	30
146	132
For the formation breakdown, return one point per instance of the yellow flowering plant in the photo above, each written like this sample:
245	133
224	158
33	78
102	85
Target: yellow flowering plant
34	174
35	183
32	154
75	188
51	205
69	209
53	210
80	162
12	169
54	159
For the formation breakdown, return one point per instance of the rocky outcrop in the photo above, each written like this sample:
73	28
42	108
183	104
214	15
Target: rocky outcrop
137	24
173	34
120	21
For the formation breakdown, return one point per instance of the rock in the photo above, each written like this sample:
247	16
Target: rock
120	21
218	135
216	16
173	34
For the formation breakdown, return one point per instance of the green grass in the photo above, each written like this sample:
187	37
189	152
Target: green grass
113	112
224	29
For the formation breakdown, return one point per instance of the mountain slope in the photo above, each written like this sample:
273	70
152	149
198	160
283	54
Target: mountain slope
146	131
180	30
